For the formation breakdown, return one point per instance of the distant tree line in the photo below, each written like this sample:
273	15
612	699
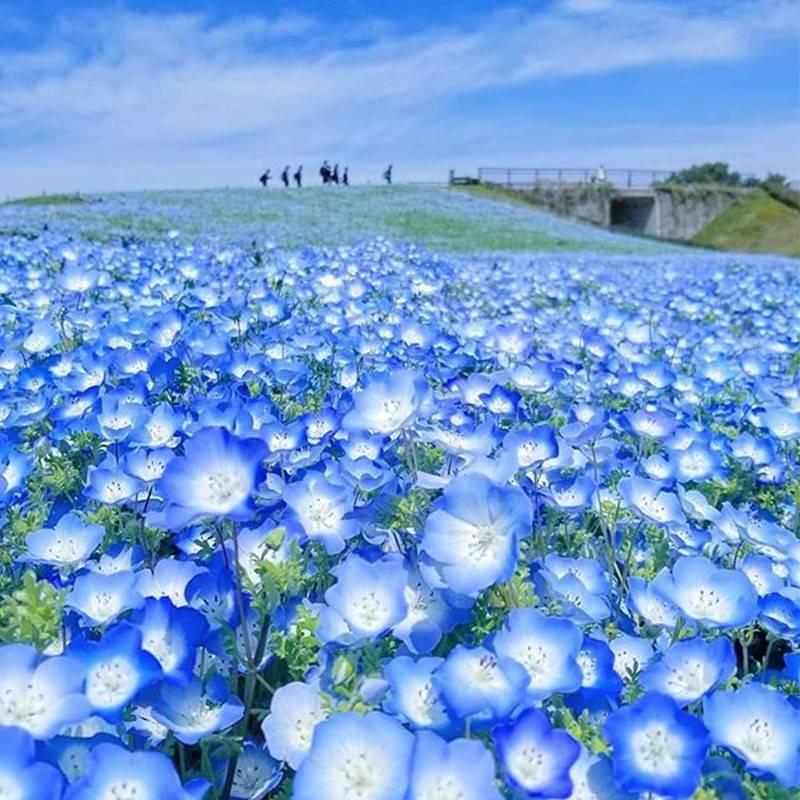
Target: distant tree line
720	173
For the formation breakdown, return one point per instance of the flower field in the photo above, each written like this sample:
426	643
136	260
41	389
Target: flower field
295	507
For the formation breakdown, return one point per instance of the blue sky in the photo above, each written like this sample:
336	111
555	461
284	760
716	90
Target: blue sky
103	96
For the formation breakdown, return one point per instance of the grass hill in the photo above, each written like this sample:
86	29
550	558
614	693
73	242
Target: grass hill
759	223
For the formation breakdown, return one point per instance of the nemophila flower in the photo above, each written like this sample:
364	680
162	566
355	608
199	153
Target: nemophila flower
536	757
710	595
100	598
198	709
761	726
475	682
462	768
116	772
68	545
110	484
547	647
117	669
690	669
117	418
295	711
429	616
366	601
531	448
645	600
256	773
572	494
650	500
172	635
596	663
652	424
584	602
413	694
319	508
15	466
780	612
43	336
215	477
213	594
782	423
762	572
40	695
631	654
352	755
157	427
148	465
388	402
169	578
657	747
474	532
22	776
697	463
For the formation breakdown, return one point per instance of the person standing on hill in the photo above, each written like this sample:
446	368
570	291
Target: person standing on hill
264	179
325	172
335	174
387	176
298	177
346	176
285	176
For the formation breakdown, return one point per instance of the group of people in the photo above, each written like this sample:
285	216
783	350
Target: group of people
327	173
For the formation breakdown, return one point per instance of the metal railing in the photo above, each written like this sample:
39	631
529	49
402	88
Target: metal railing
522	177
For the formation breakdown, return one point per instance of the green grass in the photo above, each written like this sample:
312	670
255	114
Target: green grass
757	223
47	200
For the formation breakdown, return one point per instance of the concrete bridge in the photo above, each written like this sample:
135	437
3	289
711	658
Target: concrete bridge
636	200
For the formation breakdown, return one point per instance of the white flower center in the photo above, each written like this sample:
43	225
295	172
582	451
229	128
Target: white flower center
110	683
655	750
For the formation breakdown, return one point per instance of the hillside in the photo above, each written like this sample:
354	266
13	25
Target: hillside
438	218
757	224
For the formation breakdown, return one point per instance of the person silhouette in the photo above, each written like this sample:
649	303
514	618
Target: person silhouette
387	176
264	179
335	174
325	171
285	176
346	176
298	177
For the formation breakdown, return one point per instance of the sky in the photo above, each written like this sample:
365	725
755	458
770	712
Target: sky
103	96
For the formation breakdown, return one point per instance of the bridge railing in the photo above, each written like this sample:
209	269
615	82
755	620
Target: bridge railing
522	177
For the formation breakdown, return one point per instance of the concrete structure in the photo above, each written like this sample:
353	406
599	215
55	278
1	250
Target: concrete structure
637	200
665	212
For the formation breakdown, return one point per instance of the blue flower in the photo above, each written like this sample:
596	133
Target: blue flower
760	726
198	709
102	598
352	754
713	596
68	546
650	500
215	477
461	769
414	695
295	711
690	669
546	646
536	757
474	533
40	695
475	682
116	772
366	601
22	777
172	635
657	747
117	669
319	507
388	402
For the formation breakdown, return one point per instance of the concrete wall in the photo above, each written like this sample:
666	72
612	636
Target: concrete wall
677	212
684	212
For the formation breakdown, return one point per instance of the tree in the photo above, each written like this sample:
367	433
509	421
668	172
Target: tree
717	172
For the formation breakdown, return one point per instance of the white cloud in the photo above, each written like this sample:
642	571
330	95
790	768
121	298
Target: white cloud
124	99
